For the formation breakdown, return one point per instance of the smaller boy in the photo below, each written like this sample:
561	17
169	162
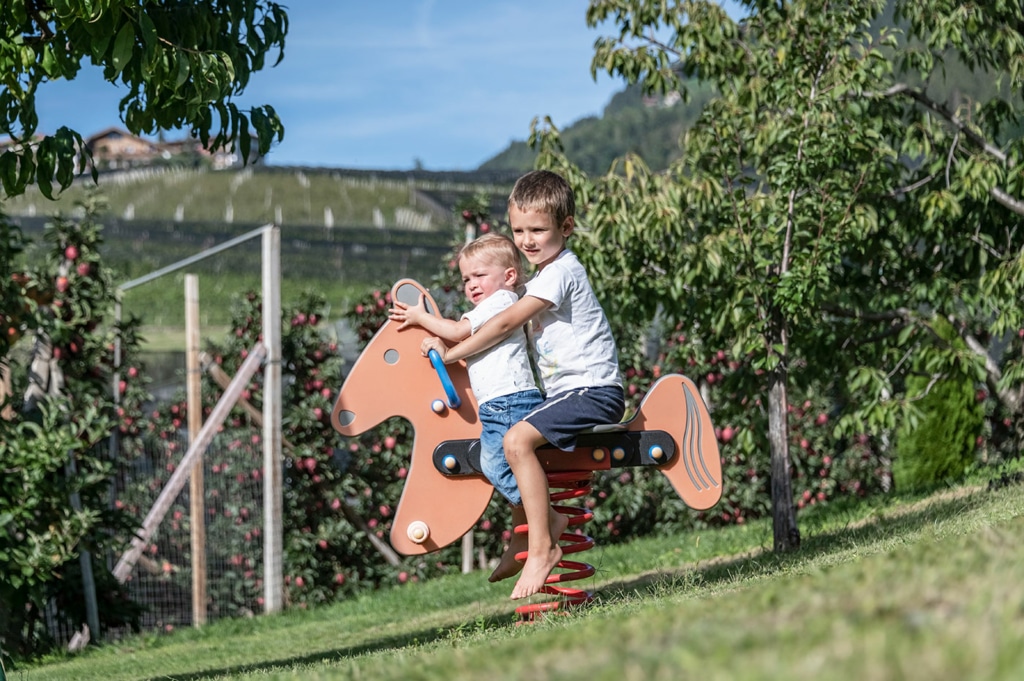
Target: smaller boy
576	358
501	378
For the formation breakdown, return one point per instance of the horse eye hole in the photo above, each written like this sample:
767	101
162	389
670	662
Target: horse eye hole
391	356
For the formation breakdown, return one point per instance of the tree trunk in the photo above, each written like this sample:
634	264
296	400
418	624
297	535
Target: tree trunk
786	532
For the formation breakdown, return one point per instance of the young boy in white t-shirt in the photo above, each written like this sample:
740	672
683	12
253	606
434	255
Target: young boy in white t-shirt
501	378
576	358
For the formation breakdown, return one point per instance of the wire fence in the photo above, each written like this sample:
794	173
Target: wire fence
161	583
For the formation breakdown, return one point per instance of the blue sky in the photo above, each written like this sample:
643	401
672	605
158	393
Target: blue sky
380	85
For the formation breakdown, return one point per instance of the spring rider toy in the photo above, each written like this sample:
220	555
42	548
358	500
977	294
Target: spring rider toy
445	492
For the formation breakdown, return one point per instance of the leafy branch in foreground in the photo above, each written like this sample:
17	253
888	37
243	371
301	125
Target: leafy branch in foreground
182	65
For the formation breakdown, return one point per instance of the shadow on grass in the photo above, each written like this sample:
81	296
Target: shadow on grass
813	545
412	639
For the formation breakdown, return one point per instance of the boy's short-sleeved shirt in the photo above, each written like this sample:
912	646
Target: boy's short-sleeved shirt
572	339
505	368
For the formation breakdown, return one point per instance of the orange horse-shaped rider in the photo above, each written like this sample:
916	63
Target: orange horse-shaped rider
445	493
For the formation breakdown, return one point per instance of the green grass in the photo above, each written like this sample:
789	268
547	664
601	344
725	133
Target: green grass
888	589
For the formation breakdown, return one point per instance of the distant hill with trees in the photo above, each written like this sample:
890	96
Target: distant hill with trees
631	123
652	127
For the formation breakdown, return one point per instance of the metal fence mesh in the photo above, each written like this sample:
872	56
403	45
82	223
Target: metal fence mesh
233	502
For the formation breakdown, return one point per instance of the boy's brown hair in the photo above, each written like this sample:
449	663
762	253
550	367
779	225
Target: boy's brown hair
496	249
543	191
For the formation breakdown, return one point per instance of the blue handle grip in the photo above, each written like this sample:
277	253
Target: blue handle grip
446	382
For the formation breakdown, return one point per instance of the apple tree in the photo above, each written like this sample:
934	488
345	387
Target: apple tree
54	438
829	206
181	66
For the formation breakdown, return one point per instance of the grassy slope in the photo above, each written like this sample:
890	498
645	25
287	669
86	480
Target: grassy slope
911	589
254	196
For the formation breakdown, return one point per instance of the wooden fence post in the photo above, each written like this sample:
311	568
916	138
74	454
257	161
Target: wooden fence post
273	461
197	505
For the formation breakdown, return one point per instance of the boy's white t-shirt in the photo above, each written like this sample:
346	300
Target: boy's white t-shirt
572	338
504	368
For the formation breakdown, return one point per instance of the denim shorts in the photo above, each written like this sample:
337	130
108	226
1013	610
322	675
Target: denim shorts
496	417
564	416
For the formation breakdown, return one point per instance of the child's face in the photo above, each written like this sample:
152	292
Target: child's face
481	278
537	236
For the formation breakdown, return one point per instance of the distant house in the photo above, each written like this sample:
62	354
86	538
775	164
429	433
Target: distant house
115	148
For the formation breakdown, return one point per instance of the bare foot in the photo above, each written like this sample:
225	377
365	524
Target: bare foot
510	564
536	572
539	566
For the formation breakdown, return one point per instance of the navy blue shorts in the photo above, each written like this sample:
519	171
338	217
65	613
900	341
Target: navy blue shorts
560	418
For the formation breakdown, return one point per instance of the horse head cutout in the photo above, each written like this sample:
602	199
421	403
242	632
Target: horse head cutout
392	378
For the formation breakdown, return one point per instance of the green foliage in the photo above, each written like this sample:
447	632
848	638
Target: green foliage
181	64
41	532
942	446
823	209
12	303
54	455
826	467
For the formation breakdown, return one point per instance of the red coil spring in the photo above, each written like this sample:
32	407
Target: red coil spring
568	485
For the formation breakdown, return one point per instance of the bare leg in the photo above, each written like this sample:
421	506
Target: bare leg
520	443
509	565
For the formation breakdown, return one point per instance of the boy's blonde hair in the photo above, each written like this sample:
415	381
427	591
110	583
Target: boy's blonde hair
543	191
496	249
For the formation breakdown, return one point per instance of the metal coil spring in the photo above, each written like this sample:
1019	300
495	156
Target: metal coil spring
565	485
